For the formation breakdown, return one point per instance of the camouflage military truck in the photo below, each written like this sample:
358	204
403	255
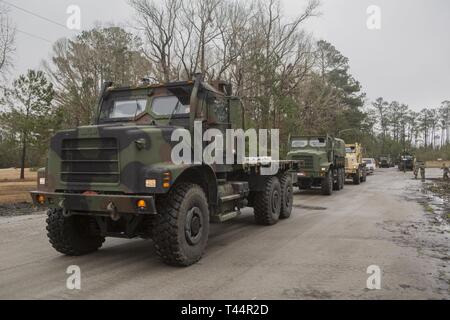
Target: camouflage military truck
322	162
116	178
386	162
355	168
406	162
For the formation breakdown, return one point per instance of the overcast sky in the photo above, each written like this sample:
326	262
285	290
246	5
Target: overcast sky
407	60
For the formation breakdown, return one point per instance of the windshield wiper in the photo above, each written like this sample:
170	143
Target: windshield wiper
173	112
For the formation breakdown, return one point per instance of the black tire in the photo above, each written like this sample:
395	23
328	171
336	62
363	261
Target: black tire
364	176
357	178
72	235
327	184
182	225
287	196
337	184
339	179
268	203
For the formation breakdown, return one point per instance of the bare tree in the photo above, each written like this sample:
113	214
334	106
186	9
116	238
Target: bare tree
381	107
158	22
7	33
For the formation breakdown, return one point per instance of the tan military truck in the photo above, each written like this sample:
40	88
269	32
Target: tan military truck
355	168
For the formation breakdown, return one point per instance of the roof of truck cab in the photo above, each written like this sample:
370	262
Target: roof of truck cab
318	136
173	84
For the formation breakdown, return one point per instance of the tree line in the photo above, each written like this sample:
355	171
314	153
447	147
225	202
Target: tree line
399	128
285	77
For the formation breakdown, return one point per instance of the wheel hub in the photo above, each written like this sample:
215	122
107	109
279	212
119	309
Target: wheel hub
194	226
275	200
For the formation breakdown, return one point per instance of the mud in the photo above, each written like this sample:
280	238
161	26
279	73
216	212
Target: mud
17	209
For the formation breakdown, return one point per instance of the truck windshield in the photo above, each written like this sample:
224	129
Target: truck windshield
169	105
317	142
350	150
123	108
299	143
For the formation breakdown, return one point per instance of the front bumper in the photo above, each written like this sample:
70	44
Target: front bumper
95	203
309	174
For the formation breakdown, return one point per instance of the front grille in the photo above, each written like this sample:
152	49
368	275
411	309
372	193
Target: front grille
90	160
306	162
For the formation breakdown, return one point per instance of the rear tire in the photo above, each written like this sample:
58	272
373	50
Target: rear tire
341	179
182	225
357	178
364	176
327	184
287	196
337	184
268	203
72	235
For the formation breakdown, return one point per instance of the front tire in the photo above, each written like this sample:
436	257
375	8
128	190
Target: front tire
182	225
364	175
74	235
267	207
327	184
357	178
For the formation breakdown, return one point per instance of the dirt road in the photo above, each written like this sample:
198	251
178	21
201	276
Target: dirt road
322	252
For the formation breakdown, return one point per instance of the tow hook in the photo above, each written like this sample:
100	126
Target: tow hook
111	208
66	213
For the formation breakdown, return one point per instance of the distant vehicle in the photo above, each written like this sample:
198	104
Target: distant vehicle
370	165
406	162
386	162
322	162
355	168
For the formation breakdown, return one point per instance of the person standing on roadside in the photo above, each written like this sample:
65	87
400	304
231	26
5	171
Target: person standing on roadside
446	171
422	170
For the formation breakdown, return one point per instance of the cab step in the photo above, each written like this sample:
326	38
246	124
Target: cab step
225	216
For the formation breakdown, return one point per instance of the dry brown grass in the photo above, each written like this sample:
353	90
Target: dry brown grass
12	189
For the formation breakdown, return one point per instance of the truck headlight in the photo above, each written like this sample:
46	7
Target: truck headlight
40	199
324	169
150	183
41	180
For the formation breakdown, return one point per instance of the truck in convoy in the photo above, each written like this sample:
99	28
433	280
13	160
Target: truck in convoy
322	162
355	167
386	161
117	177
406	161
